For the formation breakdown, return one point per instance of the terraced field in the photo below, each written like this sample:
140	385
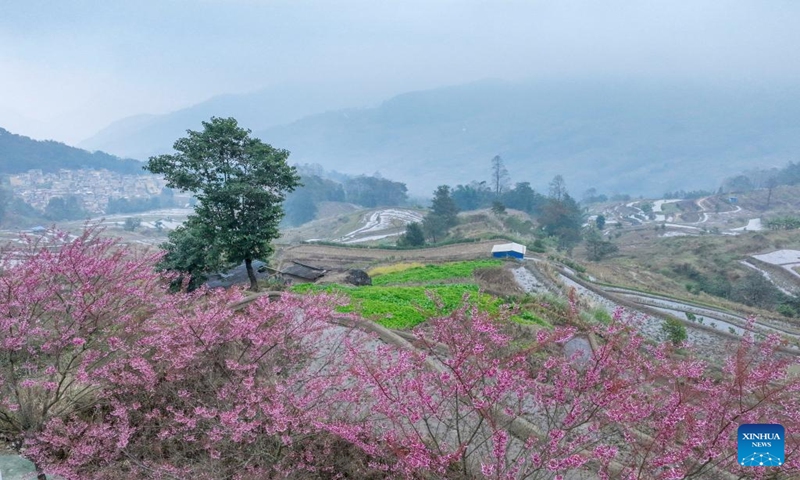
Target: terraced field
405	298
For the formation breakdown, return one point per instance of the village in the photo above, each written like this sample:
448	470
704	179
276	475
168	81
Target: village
93	187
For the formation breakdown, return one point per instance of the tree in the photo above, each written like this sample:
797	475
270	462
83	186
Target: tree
523	197
623	409
755	290
738	184
558	188
772	182
600	222
71	303
499	175
68	208
498	208
674	331
597	247
189	252
563	219
375	192
443	215
414	236
300	208
472	197
240	183
104	375
131	224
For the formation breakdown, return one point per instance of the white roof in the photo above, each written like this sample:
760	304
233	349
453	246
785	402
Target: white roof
509	247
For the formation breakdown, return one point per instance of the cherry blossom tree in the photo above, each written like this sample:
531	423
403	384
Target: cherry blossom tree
468	403
106	375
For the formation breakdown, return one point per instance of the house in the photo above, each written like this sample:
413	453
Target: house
301	273
514	250
237	275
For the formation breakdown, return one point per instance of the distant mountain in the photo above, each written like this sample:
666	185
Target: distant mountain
143	136
615	136
19	154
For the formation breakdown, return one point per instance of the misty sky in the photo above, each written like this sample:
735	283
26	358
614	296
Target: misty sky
70	67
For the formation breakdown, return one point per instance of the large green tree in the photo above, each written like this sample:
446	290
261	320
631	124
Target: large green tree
562	219
443	215
240	183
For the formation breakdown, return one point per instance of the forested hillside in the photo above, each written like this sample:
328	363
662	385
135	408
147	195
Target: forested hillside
19	154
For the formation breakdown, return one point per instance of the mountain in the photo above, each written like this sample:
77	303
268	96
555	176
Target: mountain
616	136
143	136
19	154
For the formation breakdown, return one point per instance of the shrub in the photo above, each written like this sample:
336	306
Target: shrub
675	331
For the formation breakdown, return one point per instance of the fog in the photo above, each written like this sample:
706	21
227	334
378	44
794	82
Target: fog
70	67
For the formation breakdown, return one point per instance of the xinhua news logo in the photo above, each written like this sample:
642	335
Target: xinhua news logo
761	445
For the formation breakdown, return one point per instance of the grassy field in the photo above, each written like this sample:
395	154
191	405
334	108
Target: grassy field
406	297
434	273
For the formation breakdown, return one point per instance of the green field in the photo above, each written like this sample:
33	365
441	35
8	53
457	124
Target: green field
434	273
407	298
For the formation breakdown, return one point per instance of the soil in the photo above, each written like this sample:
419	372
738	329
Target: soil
498	281
331	257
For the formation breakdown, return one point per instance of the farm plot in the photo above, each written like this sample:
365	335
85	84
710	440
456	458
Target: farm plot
406	298
382	224
788	260
432	273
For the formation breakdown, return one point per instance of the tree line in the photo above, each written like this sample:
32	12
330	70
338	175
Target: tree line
558	214
19	154
365	191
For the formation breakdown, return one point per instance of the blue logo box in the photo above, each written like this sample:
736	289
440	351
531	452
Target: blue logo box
761	445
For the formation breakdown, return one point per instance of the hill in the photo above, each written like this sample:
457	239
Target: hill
19	154
615	136
143	136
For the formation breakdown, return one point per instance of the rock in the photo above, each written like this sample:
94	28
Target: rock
358	278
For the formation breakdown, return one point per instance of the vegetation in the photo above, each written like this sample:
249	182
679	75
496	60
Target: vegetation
301	204
240	183
766	179
499	175
674	331
105	374
189	253
404	307
404	295
783	223
131	224
477	195
397	267
562	219
430	273
688	195
597	247
414	236
19	154
375	192
68	208
600	222
498	208
134	205
443	215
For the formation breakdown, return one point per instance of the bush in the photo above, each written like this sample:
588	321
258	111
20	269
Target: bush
537	246
675	331
786	310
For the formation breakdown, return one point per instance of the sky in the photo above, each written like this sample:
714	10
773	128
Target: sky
68	68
